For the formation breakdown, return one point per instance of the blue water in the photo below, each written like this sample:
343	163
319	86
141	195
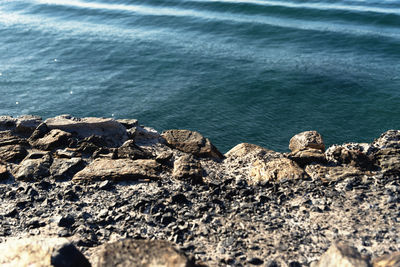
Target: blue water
256	71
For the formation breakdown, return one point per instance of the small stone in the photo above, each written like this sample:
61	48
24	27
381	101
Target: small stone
66	221
3	171
308	139
188	168
307	156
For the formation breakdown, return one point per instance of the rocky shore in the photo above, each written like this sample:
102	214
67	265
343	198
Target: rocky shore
105	192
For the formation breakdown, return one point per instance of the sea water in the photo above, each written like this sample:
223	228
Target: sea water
256	71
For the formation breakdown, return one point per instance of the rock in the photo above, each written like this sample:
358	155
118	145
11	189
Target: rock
244	149
66	168
26	124
12	153
308	139
332	173
275	170
191	142
39	132
7	123
128	123
33	169
65	221
3	171
58	252
112	131
388	160
340	254
391	260
187	167
131	151
307	156
144	135
150	253
90	144
353	154
119	169
7	138
389	139
54	139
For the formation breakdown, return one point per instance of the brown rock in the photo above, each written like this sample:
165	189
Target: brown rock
191	142
42	252
26	124
140	253
244	149
187	168
275	170
308	139
7	123
131	151
391	260
388	160
62	168
112	131
3	171
7	138
332	173
307	156
33	169
341	255
119	169
54	139
12	153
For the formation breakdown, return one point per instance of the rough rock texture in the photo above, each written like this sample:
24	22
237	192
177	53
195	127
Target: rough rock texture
340	254
390	260
119	169
191	142
3	171
114	132
187	167
275	170
308	139
54	139
58	252
141	253
223	217
26	124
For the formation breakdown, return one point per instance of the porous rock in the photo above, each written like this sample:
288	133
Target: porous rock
33	169
119	169
54	139
7	138
191	142
390	260
187	167
307	139
307	156
343	255
389	139
62	168
352	154
12	153
146	253
275	170
34	251
114	132
332	173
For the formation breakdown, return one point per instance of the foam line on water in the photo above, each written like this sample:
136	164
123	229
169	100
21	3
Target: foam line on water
219	16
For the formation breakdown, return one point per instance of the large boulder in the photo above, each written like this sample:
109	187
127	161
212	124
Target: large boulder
244	149
340	254
54	139
119	169
113	131
187	167
7	123
307	156
276	170
135	253
307	139
33	168
36	251
191	142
